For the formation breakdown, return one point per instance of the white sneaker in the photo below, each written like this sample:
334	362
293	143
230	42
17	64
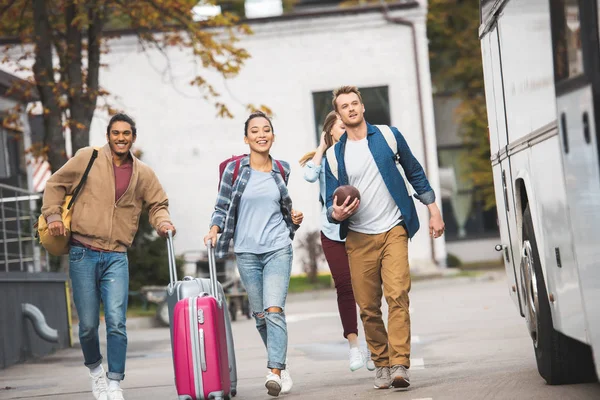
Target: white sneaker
99	385
370	364
357	361
286	381
273	384
115	394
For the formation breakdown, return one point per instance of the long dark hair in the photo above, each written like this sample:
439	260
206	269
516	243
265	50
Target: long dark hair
330	121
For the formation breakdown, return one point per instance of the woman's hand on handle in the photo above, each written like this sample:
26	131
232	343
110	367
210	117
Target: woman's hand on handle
212	236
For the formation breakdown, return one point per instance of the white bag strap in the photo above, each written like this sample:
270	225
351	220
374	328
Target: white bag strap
390	138
332	160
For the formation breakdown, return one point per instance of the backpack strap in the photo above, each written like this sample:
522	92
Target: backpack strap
390	138
281	170
83	178
332	160
236	171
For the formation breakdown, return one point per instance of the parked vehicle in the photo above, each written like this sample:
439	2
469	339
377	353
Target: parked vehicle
542	86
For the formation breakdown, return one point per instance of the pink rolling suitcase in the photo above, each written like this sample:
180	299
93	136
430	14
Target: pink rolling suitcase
200	344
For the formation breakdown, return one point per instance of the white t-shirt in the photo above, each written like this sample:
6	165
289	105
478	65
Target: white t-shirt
378	212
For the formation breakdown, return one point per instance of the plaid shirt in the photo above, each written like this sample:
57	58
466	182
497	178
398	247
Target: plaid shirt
229	197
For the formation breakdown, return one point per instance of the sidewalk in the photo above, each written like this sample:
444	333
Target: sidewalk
317	353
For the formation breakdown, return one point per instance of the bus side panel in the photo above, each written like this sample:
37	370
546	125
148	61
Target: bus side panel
526	48
546	171
497	128
583	192
531	106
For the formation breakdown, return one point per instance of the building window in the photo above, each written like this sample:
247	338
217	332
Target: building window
376	101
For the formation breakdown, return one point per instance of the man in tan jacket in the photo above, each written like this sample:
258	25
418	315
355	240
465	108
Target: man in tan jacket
104	222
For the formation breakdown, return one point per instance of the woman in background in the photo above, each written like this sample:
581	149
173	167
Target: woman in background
334	247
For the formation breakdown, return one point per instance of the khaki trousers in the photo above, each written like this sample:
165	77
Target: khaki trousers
377	260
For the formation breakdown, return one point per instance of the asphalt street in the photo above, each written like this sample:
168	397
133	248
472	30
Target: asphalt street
468	343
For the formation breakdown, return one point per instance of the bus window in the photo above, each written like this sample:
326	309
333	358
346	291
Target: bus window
566	38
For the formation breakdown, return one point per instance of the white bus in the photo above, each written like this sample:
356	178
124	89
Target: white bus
541	62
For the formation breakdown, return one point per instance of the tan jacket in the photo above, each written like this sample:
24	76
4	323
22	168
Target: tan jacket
97	219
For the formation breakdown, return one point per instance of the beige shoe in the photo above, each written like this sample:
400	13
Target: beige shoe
400	378
382	378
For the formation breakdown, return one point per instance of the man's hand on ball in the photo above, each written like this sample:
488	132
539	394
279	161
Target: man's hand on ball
345	211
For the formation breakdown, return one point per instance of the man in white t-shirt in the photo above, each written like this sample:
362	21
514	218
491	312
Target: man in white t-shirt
377	229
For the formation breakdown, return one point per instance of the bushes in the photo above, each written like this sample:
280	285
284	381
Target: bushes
453	261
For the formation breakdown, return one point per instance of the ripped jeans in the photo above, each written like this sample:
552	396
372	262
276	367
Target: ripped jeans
101	276
266	278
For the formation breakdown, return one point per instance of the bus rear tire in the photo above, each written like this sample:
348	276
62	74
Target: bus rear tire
560	359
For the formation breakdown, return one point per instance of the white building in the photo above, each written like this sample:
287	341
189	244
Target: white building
296	61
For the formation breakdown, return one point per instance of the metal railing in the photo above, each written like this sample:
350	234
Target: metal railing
19	248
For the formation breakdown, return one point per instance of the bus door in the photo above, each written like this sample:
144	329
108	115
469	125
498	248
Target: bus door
577	84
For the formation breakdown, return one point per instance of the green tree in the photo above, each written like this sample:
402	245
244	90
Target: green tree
456	67
61	43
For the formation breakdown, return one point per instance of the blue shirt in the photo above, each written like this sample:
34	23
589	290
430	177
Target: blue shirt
260	226
386	164
313	172
225	214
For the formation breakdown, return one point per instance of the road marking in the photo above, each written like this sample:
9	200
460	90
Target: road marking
417	363
304	317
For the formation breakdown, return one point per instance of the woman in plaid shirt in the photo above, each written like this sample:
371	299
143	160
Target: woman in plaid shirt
256	212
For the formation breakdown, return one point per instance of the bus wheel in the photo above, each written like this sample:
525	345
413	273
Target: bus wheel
560	359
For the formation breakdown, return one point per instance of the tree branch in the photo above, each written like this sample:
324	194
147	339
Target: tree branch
8	6
61	52
73	55
44	75
97	18
78	123
42	68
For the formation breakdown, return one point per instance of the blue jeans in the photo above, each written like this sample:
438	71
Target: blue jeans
101	276
266	278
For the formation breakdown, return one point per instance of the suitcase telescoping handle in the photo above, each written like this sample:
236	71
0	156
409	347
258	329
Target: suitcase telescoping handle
172	263
212	270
